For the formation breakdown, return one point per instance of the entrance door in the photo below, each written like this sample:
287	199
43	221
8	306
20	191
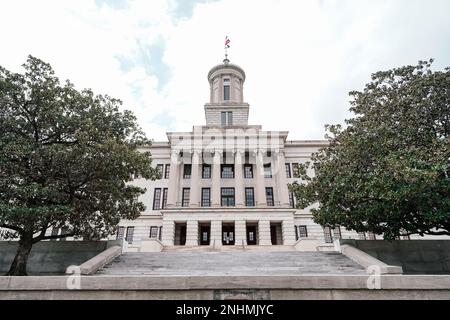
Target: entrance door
204	235
251	235
228	235
273	234
183	235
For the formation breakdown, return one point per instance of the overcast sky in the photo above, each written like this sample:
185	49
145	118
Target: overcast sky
301	57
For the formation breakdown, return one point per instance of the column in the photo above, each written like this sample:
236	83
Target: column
240	233
288	232
264	233
168	233
260	187
215	190
216	233
283	191
194	200
192	233
239	179
172	196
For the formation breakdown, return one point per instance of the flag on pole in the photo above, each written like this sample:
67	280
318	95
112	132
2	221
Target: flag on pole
227	42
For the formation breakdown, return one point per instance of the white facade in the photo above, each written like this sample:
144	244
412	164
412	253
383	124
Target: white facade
204	195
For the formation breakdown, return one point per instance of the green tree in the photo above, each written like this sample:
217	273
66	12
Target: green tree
66	160
388	170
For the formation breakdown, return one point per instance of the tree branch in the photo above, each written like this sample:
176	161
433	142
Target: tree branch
58	236
7	226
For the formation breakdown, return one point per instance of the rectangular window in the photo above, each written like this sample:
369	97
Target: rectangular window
187	171
226	118
288	170
227	197
167	171
291	199
269	197
154	232
206	197
303	231
186	196
295	171
227	171
120	233
327	235
361	236
160	168
129	236
206	171
164	201
249	197
371	236
157	199
296	233
337	233
248	171
226	89
160	233
267	171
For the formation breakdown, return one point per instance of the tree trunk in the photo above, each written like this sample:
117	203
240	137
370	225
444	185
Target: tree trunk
19	265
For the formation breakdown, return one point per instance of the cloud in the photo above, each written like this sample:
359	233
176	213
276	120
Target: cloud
301	57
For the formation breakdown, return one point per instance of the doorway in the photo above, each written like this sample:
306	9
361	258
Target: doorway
228	234
180	234
275	233
252	234
205	234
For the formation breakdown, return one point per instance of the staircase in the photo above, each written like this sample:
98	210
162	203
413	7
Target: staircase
233	263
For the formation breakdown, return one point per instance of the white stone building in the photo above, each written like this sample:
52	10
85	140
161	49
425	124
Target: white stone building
226	182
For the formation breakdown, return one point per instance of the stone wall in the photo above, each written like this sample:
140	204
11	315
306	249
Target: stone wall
414	256
53	257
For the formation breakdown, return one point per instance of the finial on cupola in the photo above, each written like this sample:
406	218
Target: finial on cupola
227	46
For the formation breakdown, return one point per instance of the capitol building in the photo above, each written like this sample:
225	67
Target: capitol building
226	183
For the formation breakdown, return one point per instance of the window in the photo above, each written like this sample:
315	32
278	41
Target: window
154	232
249	197
157	199
227	171
226	89
295	171
337	233
267	171
160	233
291	199
206	197
303	231
187	171
164	201
226	118
248	171
167	171
206	171
361	236
288	170
371	236
327	235
129	236
160	168
269	197
186	196
120	233
227	197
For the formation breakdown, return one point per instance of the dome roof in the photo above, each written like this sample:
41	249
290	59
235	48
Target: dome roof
226	65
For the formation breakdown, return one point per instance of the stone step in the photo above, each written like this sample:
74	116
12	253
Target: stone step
232	263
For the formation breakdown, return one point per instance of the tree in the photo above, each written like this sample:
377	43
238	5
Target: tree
66	160
388	170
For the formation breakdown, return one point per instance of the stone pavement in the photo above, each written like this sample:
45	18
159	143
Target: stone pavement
232	263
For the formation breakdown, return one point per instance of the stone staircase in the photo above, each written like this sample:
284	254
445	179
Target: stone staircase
233	263
272	248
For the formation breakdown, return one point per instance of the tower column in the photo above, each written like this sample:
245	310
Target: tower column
216	233
240	233
168	233
192	233
216	180
239	179
172	195
260	181
264	233
288	231
194	200
282	180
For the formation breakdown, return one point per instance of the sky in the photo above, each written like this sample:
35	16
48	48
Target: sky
301	58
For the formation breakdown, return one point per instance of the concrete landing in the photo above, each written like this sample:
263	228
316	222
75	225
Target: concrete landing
232	264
